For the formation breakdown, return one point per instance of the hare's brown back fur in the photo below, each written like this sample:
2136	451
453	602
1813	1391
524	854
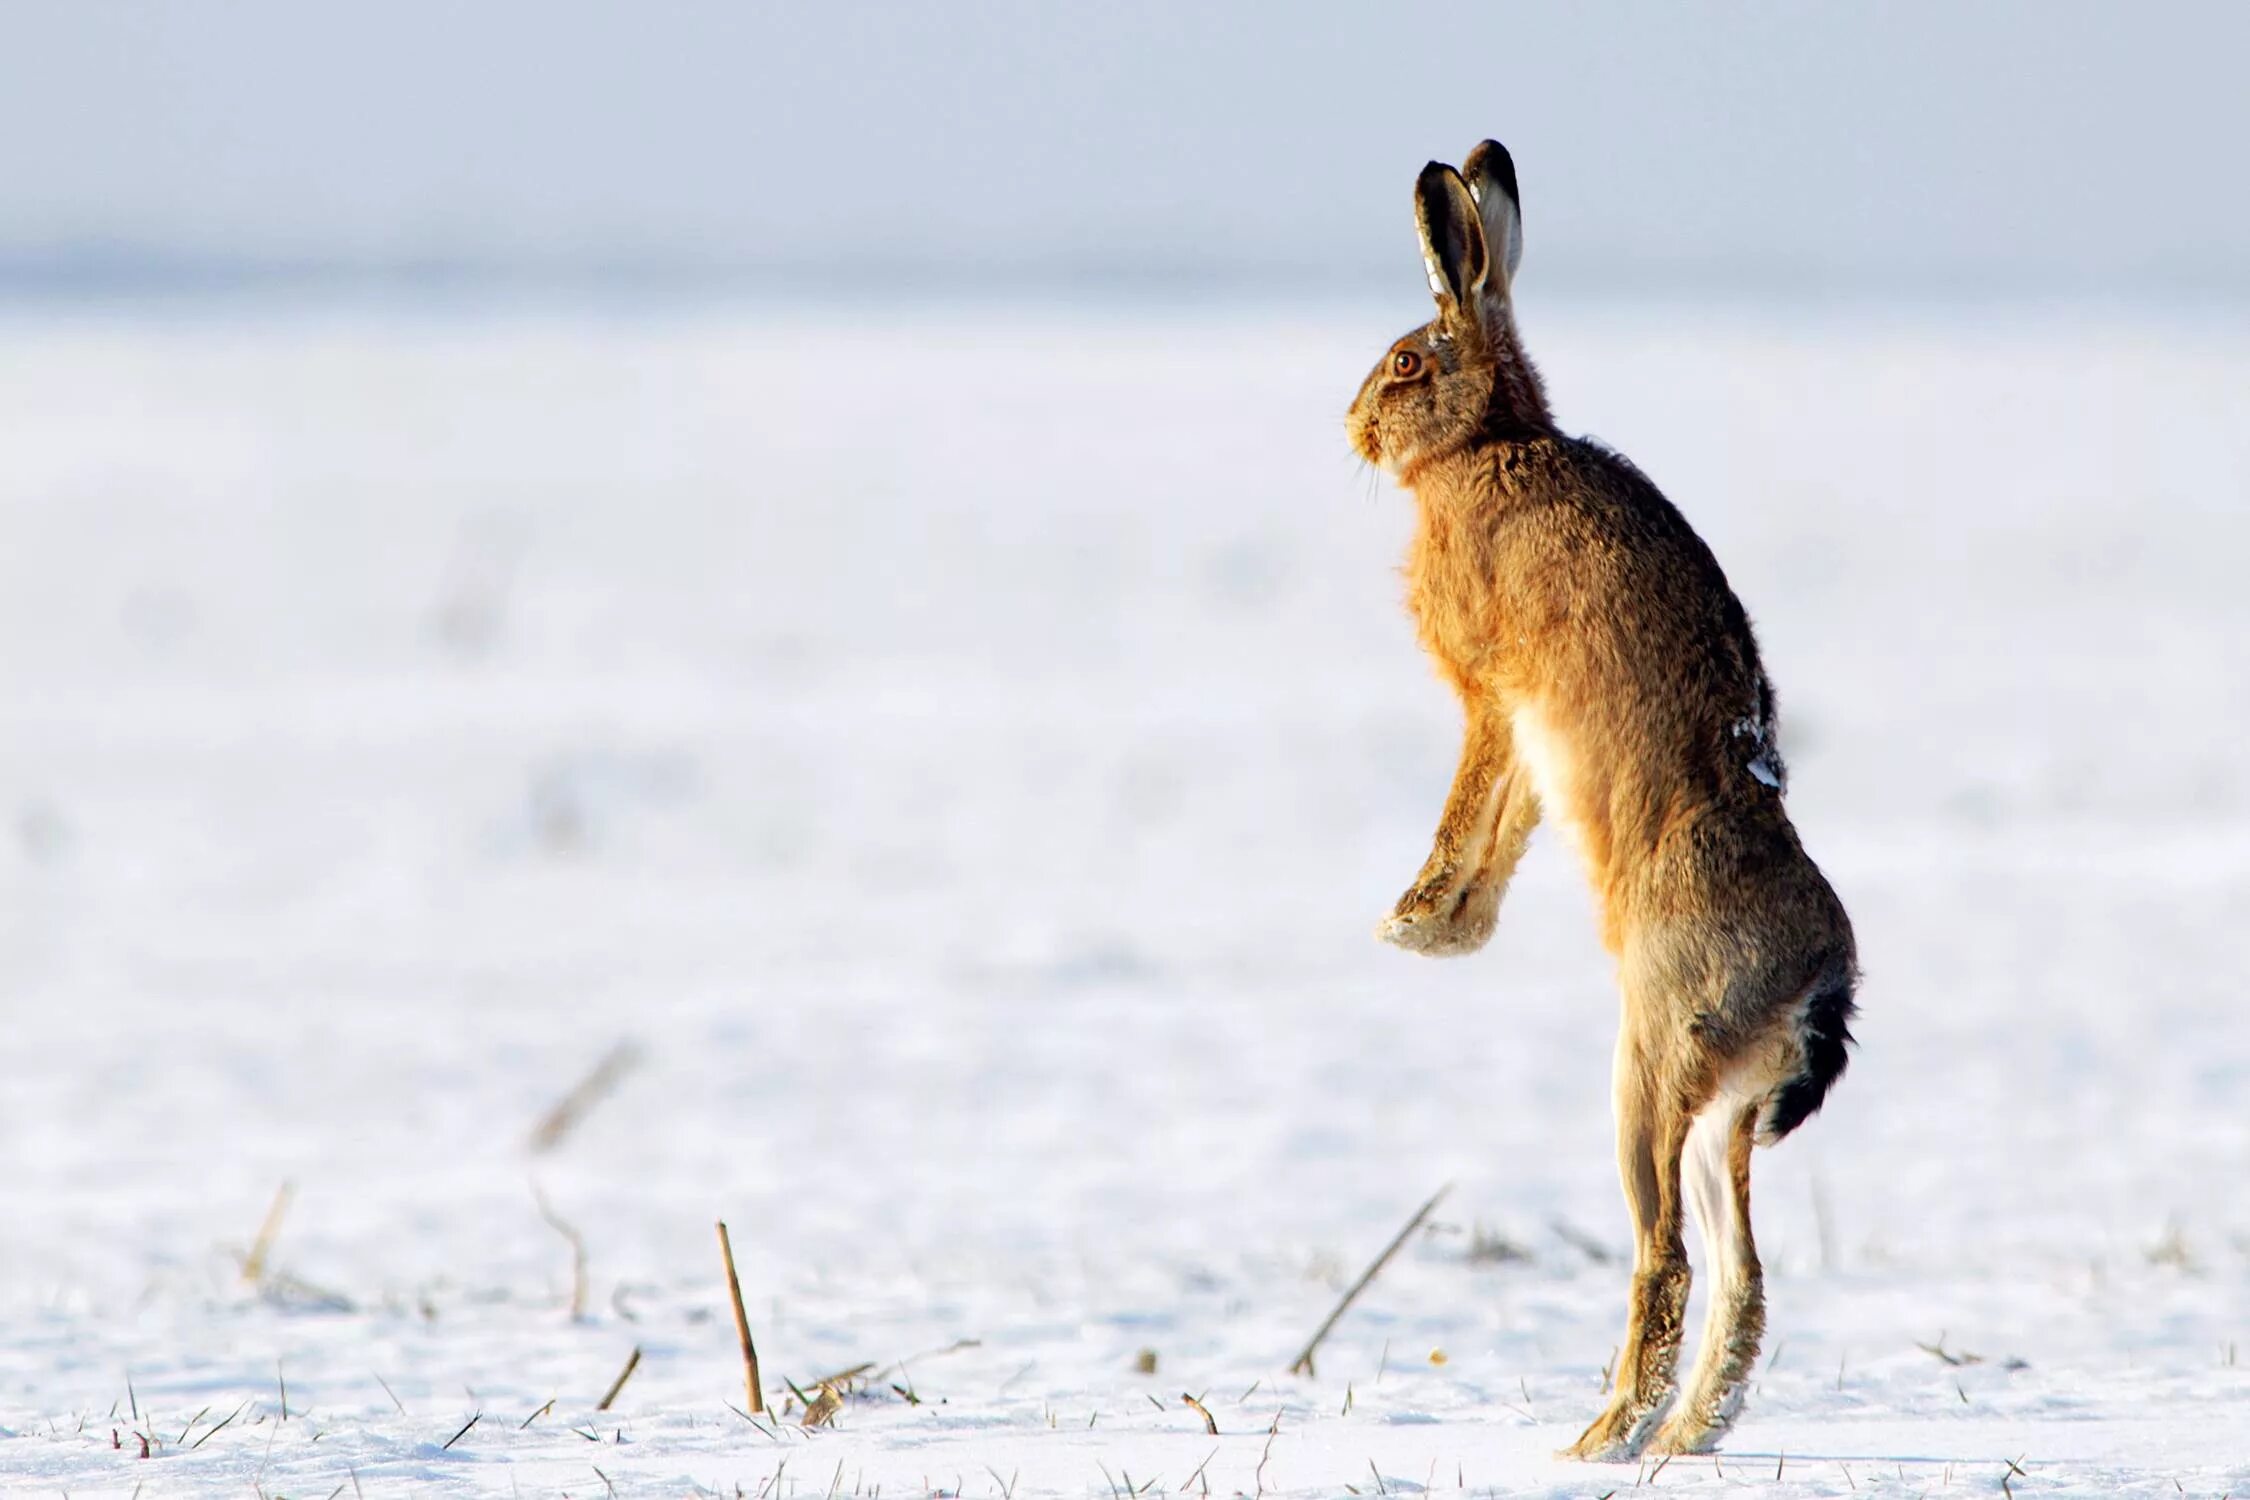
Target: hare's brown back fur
1611	682
1549	574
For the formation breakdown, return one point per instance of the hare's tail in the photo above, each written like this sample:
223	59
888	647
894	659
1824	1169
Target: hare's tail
1823	1024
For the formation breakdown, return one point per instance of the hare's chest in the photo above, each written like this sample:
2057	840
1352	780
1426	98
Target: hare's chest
1450	590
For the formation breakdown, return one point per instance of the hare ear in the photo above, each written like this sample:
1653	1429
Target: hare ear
1491	174
1452	237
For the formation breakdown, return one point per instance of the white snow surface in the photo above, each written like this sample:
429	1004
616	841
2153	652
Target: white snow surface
968	754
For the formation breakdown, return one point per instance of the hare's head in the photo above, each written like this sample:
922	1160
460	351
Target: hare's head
1435	389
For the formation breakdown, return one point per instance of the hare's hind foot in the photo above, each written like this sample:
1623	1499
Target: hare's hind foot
1620	1433
1705	1412
1684	1435
1442	920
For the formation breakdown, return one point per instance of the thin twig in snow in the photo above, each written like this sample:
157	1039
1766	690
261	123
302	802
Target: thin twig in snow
1303	1364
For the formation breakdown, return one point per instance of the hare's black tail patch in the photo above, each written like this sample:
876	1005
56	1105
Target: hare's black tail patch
1823	1032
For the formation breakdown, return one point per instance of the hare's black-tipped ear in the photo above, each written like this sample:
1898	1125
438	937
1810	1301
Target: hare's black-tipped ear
1491	174
1452	237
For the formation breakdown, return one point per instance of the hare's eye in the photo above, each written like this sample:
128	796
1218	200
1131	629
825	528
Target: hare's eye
1406	364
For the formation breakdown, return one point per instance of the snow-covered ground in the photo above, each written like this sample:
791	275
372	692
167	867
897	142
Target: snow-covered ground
967	756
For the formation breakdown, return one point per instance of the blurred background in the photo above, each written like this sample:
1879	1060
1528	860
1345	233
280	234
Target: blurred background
2005	149
818	541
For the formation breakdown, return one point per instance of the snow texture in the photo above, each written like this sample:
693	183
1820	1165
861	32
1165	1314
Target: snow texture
967	755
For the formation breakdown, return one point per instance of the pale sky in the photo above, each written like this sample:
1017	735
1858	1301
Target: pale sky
2047	146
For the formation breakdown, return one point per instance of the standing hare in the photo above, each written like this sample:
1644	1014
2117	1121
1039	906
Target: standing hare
1610	681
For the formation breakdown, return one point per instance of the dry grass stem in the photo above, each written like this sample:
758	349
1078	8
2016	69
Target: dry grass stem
285	1289
261	1249
215	1431
900	1369
1951	1357
1210	1423
632	1363
1303	1364
1489	1247
821	1407
1584	1243
757	1395
591	1090
1271	1433
843	1380
569	1232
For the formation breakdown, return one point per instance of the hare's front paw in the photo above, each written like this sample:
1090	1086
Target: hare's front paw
1440	918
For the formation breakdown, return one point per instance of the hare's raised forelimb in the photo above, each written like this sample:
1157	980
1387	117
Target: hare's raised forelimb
1455	901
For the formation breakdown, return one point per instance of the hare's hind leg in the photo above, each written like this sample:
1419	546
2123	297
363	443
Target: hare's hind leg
1717	1169
1652	1130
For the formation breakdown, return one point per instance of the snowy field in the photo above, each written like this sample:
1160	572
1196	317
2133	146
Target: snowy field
967	757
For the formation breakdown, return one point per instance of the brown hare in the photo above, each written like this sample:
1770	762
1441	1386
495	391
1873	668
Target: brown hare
1611	683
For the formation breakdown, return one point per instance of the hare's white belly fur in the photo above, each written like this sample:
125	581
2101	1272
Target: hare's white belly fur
1546	758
